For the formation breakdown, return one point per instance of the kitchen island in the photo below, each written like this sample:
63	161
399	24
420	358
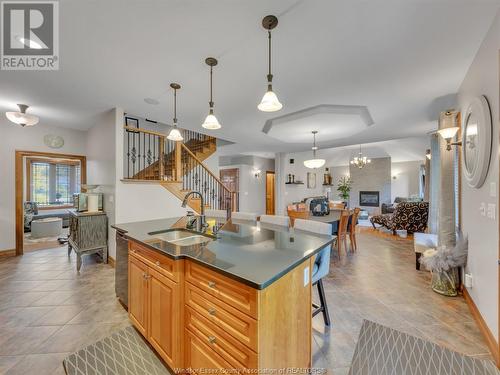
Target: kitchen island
239	298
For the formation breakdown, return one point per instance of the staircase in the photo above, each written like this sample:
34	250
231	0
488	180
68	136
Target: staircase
177	166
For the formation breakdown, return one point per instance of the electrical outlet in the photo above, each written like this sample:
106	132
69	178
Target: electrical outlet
306	276
492	207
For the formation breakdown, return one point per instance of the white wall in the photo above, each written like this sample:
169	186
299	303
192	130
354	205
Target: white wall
101	167
139	201
483	79
405	179
14	138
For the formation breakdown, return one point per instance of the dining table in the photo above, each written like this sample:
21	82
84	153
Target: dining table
332	218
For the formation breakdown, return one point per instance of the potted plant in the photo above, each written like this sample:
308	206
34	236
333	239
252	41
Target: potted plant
444	264
344	188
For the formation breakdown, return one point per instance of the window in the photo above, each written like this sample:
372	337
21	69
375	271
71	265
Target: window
53	183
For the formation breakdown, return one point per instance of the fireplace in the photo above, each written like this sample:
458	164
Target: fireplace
369	198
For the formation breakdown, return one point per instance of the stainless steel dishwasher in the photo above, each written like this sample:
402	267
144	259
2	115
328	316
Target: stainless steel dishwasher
121	268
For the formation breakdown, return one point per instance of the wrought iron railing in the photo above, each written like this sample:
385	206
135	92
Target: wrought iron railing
149	155
198	178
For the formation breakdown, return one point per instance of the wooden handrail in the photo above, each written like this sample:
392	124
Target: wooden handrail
208	170
140	130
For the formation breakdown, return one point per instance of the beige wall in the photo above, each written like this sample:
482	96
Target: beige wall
483	79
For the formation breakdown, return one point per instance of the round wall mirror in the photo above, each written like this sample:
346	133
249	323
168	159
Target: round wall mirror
476	141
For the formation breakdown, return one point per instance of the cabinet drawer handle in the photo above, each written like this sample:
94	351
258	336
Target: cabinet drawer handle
212	311
212	339
157	263
211	284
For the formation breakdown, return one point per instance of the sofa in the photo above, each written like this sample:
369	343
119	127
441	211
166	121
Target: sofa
389	208
31	213
409	216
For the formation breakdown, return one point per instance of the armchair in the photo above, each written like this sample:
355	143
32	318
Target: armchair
409	216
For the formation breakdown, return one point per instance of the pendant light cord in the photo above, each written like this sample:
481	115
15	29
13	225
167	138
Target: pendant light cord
175	107
211	103
269	75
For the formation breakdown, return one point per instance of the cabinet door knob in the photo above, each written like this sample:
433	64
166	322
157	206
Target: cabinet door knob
212	311
212	339
157	262
211	284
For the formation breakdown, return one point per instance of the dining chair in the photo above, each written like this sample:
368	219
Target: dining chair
342	231
216	213
321	267
275	220
352	228
294	214
248	216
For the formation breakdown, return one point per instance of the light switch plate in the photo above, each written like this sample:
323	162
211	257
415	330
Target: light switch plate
482	209
493	189
306	276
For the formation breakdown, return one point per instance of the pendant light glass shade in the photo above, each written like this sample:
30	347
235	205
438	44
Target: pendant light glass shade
314	162
270	102
175	134
21	117
211	122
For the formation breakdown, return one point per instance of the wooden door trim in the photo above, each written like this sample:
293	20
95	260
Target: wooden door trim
19	182
274	191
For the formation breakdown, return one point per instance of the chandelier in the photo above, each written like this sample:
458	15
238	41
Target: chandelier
360	161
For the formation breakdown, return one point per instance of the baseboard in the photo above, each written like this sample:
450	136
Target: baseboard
483	327
8	253
111	261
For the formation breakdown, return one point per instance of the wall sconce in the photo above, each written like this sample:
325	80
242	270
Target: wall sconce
256	173
448	134
428	154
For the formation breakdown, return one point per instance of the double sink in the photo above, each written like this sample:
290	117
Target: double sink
182	237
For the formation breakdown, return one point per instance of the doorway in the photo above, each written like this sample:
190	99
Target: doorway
231	179
270	193
46	182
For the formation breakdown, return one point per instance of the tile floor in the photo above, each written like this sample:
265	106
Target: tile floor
47	310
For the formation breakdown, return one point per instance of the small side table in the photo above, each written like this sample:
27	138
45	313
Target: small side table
88	234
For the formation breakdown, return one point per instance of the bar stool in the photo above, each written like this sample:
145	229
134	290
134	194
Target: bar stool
248	216
283	221
321	267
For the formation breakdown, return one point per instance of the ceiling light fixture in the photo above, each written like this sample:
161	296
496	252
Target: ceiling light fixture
269	102
360	161
211	121
21	117
175	134
314	162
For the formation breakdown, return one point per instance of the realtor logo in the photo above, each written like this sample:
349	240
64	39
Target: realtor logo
30	35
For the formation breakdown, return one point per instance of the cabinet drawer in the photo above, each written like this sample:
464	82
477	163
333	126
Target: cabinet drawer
161	263
234	322
200	358
234	352
234	293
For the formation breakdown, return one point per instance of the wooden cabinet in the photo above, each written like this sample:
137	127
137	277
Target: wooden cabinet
138	294
154	309
198	319
164	322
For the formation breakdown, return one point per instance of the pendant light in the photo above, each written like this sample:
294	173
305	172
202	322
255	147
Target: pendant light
360	161
175	134
314	162
21	117
269	102
211	121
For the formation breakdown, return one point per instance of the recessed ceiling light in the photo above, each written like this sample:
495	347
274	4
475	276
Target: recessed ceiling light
151	101
29	43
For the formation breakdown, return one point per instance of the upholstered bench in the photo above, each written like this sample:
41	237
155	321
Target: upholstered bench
421	243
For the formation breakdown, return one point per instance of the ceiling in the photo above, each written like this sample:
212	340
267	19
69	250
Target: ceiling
402	59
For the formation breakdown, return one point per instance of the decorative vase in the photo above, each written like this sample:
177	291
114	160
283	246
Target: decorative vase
445	282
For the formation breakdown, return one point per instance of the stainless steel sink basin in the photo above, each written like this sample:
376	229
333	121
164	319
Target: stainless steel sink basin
181	237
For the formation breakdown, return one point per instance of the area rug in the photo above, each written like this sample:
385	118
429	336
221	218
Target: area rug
385	351
122	353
